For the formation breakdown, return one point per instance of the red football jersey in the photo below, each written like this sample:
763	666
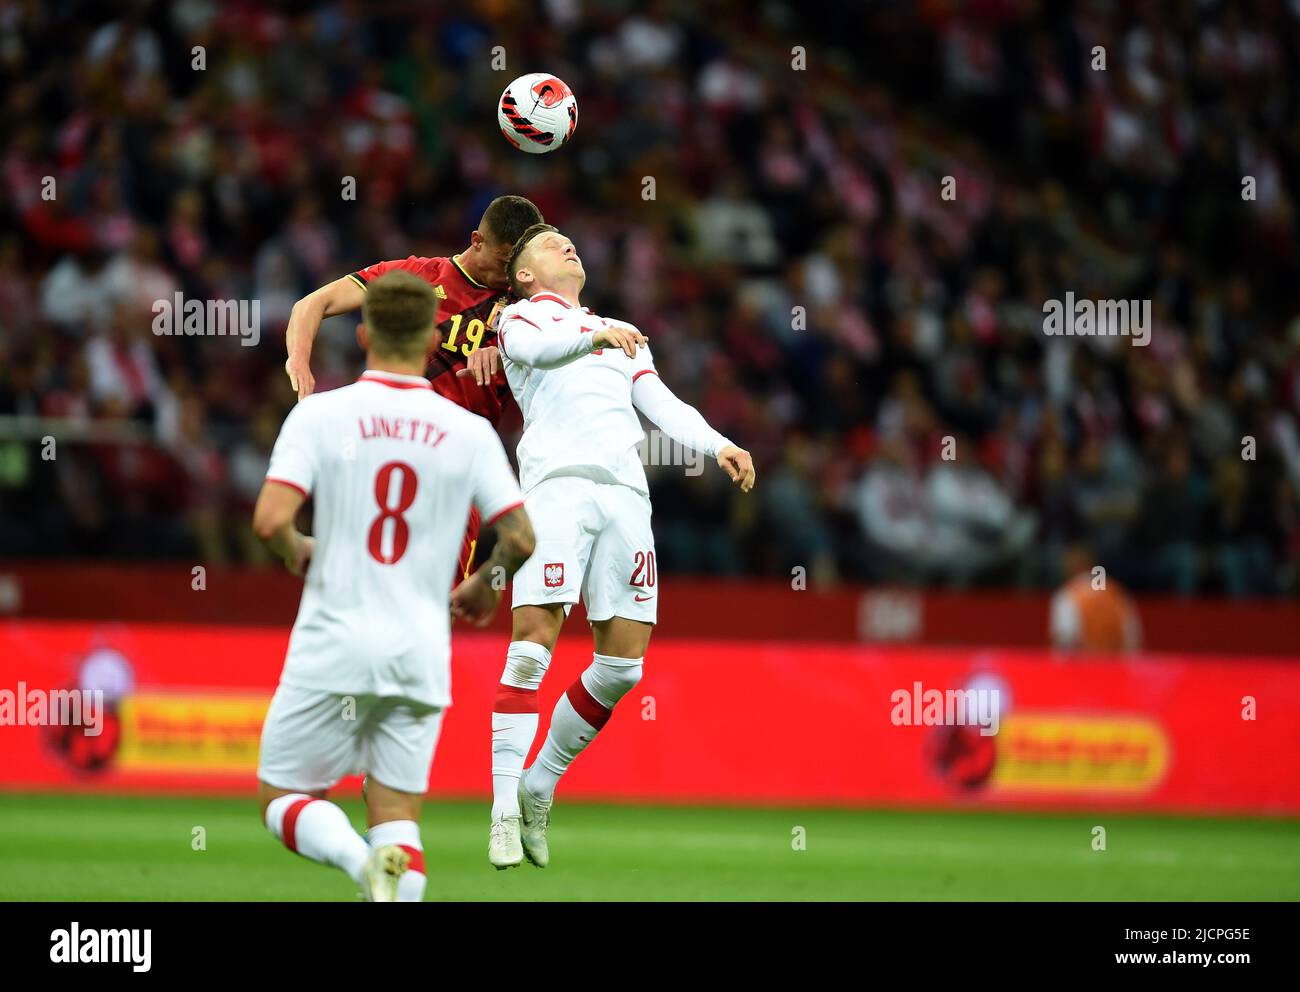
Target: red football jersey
467	311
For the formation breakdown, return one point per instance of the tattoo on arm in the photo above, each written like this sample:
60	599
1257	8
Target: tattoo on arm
515	542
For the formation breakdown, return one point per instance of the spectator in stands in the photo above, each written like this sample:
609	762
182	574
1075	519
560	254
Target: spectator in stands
1245	531
892	508
123	370
974	526
1172	505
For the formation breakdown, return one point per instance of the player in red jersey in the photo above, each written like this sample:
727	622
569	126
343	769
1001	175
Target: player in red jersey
471	288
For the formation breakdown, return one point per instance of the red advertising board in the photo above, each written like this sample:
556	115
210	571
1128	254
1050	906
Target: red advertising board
773	610
732	722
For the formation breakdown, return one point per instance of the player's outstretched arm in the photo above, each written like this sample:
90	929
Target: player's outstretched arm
339	296
685	425
273	517
476	598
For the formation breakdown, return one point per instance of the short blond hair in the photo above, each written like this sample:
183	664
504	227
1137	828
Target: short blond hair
399	313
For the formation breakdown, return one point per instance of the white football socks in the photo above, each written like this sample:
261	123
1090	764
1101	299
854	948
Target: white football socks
319	830
514	721
406	835
579	714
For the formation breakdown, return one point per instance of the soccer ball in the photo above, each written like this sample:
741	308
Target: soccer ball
537	113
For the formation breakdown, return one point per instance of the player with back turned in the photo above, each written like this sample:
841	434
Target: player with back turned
393	470
471	288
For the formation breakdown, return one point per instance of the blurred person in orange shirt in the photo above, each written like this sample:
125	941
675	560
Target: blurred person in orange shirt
1092	613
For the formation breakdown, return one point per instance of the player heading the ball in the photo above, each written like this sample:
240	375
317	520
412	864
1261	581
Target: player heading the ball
579	379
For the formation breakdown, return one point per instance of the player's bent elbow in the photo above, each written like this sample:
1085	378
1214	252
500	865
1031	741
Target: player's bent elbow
522	546
319	302
520	541
265	524
303	304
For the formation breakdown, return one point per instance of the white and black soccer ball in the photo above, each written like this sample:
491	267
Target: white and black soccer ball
537	113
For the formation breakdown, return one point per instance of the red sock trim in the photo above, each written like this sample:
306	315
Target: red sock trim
290	828
417	857
511	699
586	705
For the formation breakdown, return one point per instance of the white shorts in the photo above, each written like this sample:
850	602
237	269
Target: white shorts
594	542
311	739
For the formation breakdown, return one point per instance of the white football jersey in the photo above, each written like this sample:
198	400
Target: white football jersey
392	469
579	419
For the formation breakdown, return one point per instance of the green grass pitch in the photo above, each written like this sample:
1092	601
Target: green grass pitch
89	848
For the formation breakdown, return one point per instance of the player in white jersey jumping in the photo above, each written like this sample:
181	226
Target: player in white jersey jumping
393	469
579	380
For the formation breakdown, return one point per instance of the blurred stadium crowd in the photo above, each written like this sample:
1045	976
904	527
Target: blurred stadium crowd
799	274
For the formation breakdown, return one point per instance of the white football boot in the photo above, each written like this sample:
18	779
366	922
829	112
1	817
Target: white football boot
384	868
504	849
536	817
